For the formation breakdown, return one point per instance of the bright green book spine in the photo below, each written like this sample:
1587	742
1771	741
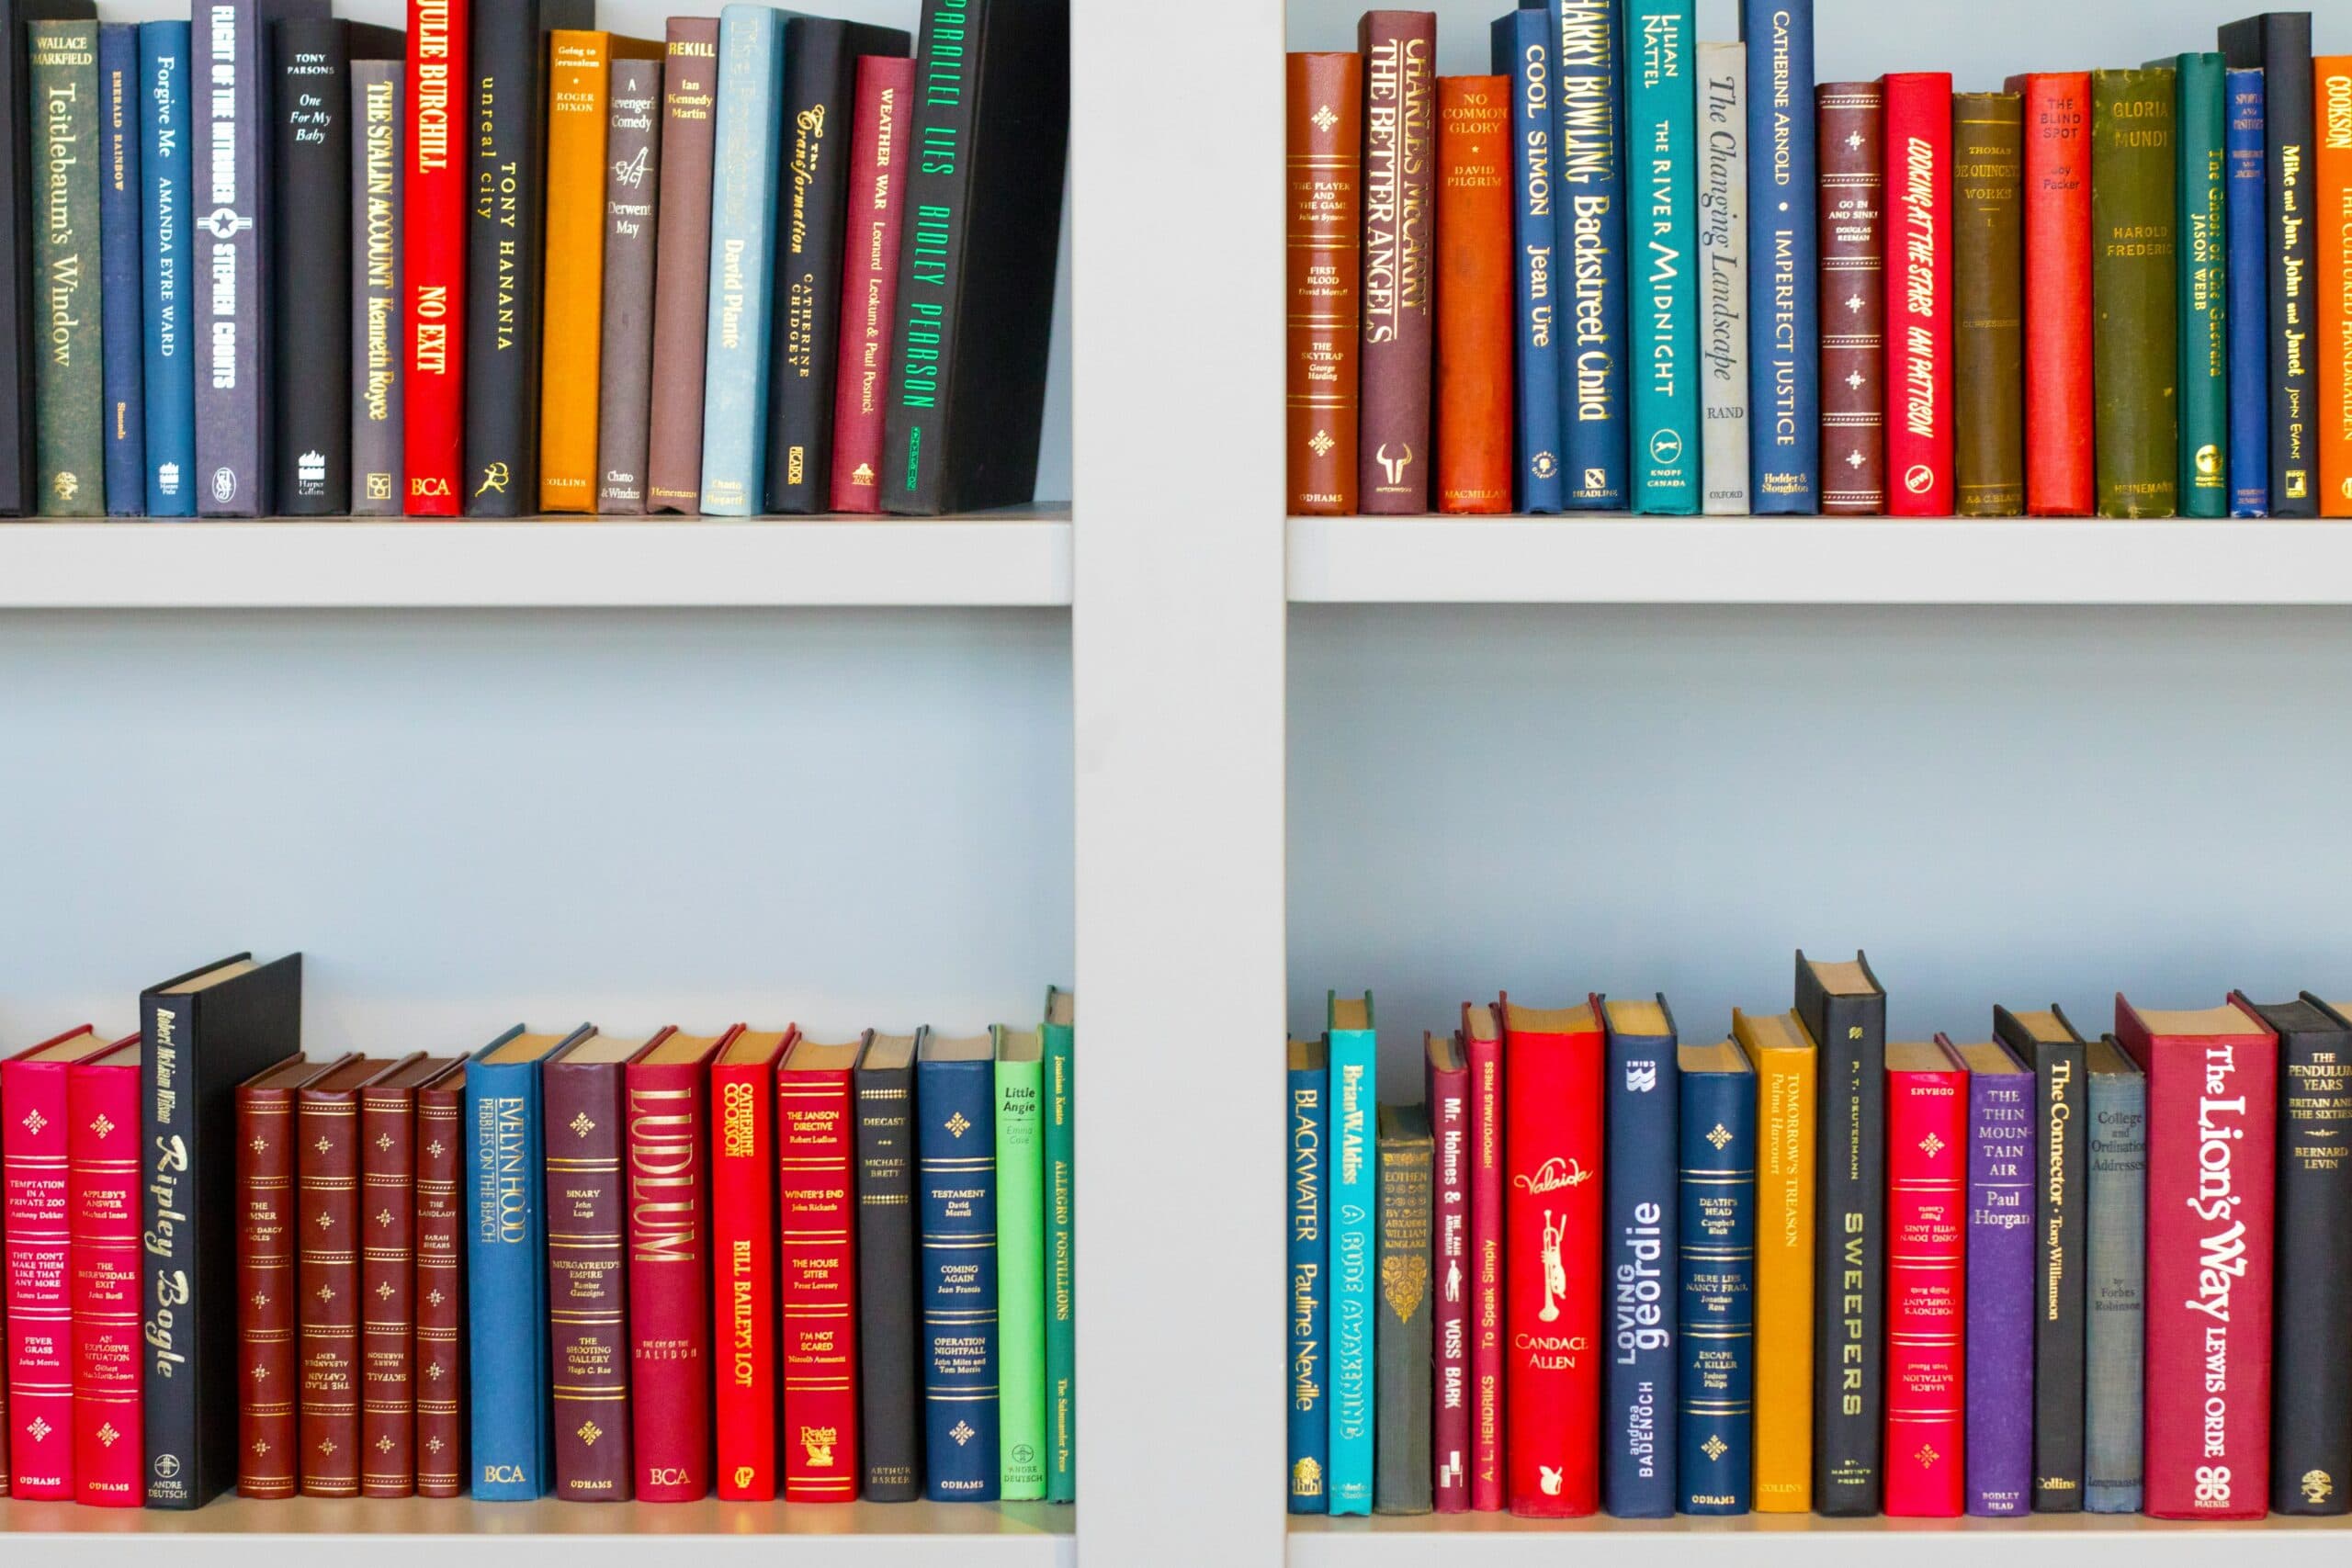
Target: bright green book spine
1662	233
69	396
1021	1264
2201	128
1061	1253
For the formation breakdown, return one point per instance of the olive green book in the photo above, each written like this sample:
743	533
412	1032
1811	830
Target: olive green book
68	385
1020	1263
1061	1251
2201	123
2134	279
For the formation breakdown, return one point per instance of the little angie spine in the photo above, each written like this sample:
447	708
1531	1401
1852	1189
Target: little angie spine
1020	1262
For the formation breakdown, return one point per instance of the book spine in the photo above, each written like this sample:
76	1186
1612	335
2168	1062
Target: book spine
1553	1102
2200	115
1310	1412
2000	1249
2115	1320
120	254
1716	1266
2289	129
2061	1215
1787	1131
2059	410
681	265
957	1143
506	1285
588	1279
440	1301
377	327
434	242
1637	1479
2134	338
171	1276
267	1294
310	109
1918	300
1473	307
1020	1278
102	1107
632	164
1722	260
2247	205
1522	52
498	215
1988	304
1783	280
869	280
573	286
1853	284
1398	298
1354	1201
816	1148
2332	190
747	147
890	1352
1449	1104
232	398
1850	1260
1927	1249
1486	1275
326	1271
388	1294
1061	1265
167	383
68	380
1401	1483
20	330
668	1279
34	1150
743	1244
1590	246
1661	174
1323	117
2310	1450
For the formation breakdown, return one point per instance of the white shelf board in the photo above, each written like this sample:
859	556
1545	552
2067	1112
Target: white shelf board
1814	560
1019	556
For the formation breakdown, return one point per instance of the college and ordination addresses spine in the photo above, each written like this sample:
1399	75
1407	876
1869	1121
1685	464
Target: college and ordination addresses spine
1399	53
1324	115
432	257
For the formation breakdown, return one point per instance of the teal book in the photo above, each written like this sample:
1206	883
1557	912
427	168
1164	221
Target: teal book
1354	1184
1662	237
2201	135
1021	1264
1061	1251
69	389
1716	1327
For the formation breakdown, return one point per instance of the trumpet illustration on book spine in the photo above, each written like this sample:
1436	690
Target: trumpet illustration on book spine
1555	1273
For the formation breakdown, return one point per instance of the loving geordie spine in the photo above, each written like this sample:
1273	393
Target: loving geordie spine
1783	260
1399	201
432	256
1853	289
1638	1460
1324	114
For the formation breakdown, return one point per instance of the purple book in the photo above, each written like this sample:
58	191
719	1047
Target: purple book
2000	1282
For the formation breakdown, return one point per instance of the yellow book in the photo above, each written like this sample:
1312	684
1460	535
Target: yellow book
1783	1057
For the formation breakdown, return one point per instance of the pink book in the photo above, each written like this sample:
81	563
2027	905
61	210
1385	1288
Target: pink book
1920	432
1927	1281
669	1268
1449	1104
1483	1044
877	168
102	1191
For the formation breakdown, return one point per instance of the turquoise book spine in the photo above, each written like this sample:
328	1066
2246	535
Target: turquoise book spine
748	140
2202	239
1662	232
1061	1251
1354	1187
507	1285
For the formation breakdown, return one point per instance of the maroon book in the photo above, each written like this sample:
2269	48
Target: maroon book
1449	1104
877	169
1398	320
669	1266
266	1363
440	1284
1850	132
681	265
387	1279
1482	1042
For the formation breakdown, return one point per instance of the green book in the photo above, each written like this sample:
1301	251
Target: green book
1061	1254
1662	240
1020	1263
69	385
2201	125
2134	291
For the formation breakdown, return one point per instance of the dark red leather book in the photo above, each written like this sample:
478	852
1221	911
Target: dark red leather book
1399	51
1323	121
1552	1117
742	1257
2213	1121
432	256
440	1372
1483	1043
1849	132
102	1173
1927	1280
1477	262
816	1148
669	1266
387	1279
268	1367
2060	479
1918	295
877	155
1448	1096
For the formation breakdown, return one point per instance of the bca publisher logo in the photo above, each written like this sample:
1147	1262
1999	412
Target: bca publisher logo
224	483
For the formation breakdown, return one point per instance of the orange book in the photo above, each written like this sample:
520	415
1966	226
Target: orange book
1475	257
573	297
1782	1054
2333	85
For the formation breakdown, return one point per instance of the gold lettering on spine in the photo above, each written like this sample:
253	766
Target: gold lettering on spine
662	1176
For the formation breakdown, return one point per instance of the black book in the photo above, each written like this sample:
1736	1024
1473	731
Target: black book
505	217
890	1352
310	112
1402	1347
19	485
201	1033
1844	1009
2051	1045
2311	1364
2278	44
989	134
820	98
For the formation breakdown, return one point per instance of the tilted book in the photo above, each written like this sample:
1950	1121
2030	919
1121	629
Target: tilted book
1715	1263
2278	44
388	1150
2201	243
2047	1043
1783	276
1399	201
68	380
1323	194
2114	1259
2246	203
878	159
1401	1478
748	149
669	1265
1661	183
2134	338
102	1183
2059	419
268	1300
1927	1280
889	1348
1843	1008
1786	1130
1851	124
442	134
1988	303
586	1135
681	265
1446	1084
1482	1041
1723	278
121	252
742	1262
441	1456
625	372
1522	55
1308	1412
1473	307
1637	1468
1061	1247
816	1139
378	319
1589	243
1918	294
1354	1201
2332	184
167	381
956	1176
1021	1261
2000	1281
2310	1423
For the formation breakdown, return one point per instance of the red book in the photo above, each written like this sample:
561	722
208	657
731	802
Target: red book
1552	1110
432	256
102	1175
1918	294
815	1145
267	1366
2213	1118
440	1284
2060	480
1927	1280
1482	1041
886	86
326	1271
668	1269
1448	1097
387	1279
743	1259
33	1155
1475	262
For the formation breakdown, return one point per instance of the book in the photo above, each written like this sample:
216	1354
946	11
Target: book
1852	134
668	1194
586	1134
681	265
440	1373
167	376
326	1272
1354	1195
889	1354
102	1225
1323	120
2212	1078
1918	298
120	258
747	149
1061	1245
1588	243
1020	1262
1715	1272
269	1365
441	64
1309	1417
955	1148
1926	1294
869	280
1661	130
976	273
624	366
2278	44
1401	1477
201	1034
2310	1418
816	1147
2135	337
819	90
1843	1009
1786	1087
388	1150
378	324
742	1262
2114	1322
1639	1142
2332	190
2060	475
1522	53
1723	259
2200	231
1552	1140
1999	1281
2048	1043
1399	246
1482	1042
1783	280
1988	304
1473	306
2246	205
68	380
1446	1092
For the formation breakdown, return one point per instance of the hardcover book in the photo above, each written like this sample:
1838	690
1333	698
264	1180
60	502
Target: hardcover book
1786	1130
1020	1262
102	1181
1723	263
2059	416
2332	183
379	323
2246	202
2134	275
440	1284
1354	1198
1926	1294
2201	238
2047	1043
1400	248
681	265
1717	1264
1482	1042
1918	300
269	1366
889	1359
1988	304
748	149
1783	281
625	372
1473	307
68	381
1401	1481
1323	117
1843	1009
1061	1247
1852	123
1589	243
2113	1254
167	379
956	1142
742	1262
669	1265
586	1134
119	266
1661	138
326	1272
815	1145
870	280
2311	1425
388	1151
1521	42
1446	1085
1998	1352
1639	1141
1309	1419
436	292
2278	44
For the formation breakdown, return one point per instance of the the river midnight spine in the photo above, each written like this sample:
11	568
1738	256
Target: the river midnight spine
119	251
1851	124
2278	44
2311	1420
1521	40
1661	134
1844	1009
1988	304
1399	288
68	382
1783	260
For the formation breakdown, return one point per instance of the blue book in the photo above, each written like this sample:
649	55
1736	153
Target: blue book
1354	1196
513	1431
1588	220
748	141
956	1204
1637	1400
1716	1427
1662	180
1522	50
2246	207
1310	1418
1783	261
168	384
120	131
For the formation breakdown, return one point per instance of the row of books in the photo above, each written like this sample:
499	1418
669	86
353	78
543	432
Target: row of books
1804	1269
507	262
564	1264
1629	271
